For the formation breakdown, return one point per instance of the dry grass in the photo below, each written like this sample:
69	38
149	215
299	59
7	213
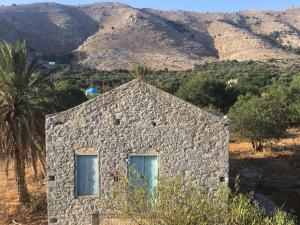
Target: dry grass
277	163
116	221
287	147
277	160
11	212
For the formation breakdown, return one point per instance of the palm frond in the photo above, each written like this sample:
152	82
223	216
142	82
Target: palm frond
141	72
20	102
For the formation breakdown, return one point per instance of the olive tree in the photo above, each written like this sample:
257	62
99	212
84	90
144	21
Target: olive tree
259	119
205	91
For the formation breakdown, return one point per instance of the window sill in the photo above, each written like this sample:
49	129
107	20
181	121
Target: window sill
87	197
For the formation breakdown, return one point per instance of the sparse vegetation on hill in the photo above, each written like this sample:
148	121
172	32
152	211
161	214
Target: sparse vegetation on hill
110	36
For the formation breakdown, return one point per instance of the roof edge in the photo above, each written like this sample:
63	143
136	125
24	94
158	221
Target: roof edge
219	116
93	99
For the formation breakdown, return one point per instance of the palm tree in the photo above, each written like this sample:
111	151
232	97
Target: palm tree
20	110
141	72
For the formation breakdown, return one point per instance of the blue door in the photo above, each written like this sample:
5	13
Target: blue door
146	170
87	175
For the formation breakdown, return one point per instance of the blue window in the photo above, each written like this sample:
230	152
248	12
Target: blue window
146	168
87	175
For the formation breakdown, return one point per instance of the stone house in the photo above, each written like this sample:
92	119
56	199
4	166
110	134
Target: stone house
135	124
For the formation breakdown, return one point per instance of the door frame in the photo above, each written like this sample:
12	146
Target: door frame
143	154
76	196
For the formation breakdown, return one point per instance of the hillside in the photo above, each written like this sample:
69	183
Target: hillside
112	35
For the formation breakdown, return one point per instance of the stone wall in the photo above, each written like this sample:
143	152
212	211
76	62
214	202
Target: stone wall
134	118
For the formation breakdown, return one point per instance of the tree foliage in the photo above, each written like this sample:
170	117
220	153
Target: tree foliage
25	98
294	99
205	91
252	77
84	78
259	119
141	72
66	96
21	111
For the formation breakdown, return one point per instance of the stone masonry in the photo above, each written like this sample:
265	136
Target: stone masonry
135	118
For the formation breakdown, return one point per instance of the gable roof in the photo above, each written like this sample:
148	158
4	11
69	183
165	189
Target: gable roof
144	87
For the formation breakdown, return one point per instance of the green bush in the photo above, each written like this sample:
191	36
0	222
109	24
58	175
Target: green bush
37	202
66	96
174	203
205	91
295	99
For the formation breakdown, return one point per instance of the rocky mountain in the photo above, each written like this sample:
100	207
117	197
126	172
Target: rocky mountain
113	35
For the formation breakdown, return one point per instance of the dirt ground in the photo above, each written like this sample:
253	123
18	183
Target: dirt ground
11	212
279	161
274	172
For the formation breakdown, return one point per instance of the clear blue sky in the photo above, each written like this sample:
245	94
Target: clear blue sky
192	5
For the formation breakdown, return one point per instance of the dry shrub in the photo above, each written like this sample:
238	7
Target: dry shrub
174	202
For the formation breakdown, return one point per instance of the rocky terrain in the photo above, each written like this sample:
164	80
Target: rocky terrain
113	35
